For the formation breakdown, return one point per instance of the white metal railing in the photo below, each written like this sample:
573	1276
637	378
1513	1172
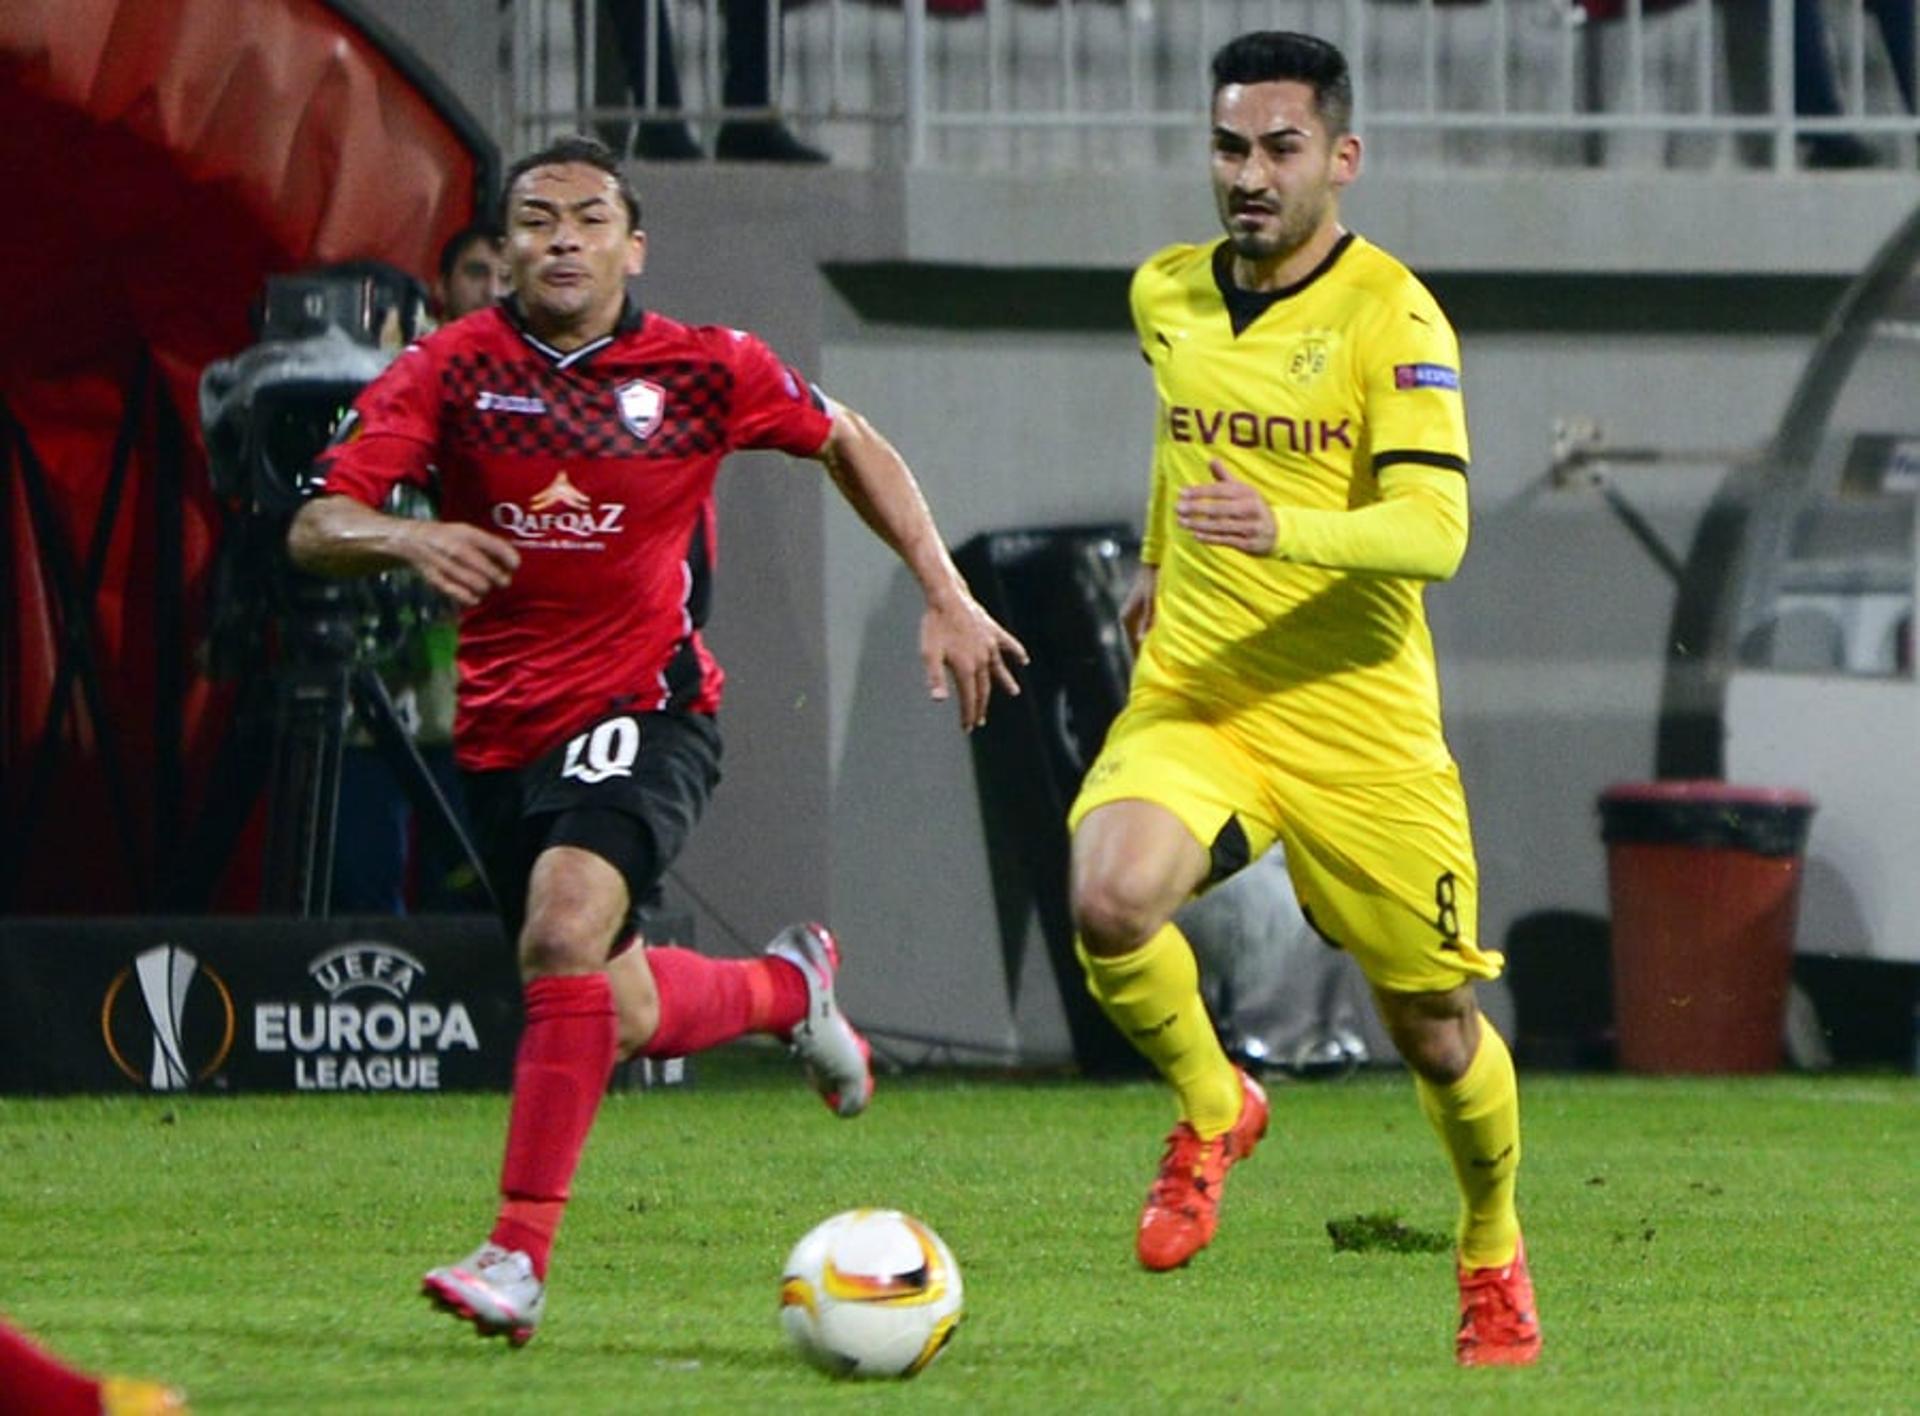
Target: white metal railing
1117	83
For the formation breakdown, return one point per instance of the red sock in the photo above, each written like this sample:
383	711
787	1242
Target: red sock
559	1076
34	1383
705	1002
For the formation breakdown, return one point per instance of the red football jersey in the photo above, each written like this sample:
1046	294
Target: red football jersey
598	464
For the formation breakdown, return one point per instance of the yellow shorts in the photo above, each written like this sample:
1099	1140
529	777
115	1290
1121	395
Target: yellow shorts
1384	871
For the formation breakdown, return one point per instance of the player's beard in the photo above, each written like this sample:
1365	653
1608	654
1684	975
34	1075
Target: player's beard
562	303
1294	224
565	307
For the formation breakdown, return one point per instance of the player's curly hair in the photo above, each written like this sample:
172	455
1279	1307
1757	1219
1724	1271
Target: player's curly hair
574	147
1272	56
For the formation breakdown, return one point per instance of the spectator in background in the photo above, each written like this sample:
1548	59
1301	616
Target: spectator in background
750	61
473	273
386	860
1816	86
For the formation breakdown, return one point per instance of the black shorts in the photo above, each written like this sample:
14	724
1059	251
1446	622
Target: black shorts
628	788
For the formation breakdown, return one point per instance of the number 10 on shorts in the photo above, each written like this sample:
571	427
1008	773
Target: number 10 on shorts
607	749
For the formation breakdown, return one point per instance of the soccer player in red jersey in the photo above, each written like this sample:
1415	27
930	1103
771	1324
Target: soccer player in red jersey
33	1382
575	439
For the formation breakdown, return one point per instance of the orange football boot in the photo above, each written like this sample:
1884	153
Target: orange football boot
1183	1207
122	1396
1499	1326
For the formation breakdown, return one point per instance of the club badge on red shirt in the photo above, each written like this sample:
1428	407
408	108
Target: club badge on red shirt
640	406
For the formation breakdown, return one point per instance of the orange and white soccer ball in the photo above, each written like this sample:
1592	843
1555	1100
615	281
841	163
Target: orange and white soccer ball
870	1293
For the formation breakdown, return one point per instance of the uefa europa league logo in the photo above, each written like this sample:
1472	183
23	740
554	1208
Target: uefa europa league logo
166	976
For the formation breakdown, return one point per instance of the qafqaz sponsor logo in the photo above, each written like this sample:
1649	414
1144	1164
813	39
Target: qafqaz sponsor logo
367	1032
560	517
167	1019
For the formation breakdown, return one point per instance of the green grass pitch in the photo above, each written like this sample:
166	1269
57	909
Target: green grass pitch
1698	1245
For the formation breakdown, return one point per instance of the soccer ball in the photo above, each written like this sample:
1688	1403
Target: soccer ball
870	1293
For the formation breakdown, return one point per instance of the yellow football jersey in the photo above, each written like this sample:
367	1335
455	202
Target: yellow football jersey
1307	394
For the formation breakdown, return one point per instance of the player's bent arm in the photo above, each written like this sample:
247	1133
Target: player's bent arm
336	535
1418	528
1136	615
956	635
1159	501
880	487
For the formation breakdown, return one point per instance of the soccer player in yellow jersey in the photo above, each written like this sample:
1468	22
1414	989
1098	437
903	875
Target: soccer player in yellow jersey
1309	477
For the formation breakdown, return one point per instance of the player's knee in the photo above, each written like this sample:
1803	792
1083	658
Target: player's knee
1434	1033
576	906
1441	1059
559	942
1112	916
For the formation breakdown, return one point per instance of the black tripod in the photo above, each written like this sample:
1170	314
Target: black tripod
287	734
310	711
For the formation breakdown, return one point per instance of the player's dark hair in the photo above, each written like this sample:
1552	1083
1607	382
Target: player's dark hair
1273	56
573	148
456	245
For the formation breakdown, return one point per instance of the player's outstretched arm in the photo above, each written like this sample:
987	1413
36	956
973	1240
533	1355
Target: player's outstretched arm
957	637
336	535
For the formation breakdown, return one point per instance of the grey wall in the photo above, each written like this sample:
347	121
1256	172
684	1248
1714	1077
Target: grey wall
748	254
1005	431
462	41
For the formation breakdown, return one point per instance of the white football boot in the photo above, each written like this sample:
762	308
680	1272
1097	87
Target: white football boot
493	1288
837	1058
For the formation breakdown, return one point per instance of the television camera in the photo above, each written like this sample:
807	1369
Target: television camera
307	649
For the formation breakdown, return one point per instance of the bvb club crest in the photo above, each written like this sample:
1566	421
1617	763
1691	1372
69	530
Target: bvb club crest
1308	361
640	406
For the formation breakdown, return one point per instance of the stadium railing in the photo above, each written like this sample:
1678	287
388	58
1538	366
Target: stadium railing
1042	85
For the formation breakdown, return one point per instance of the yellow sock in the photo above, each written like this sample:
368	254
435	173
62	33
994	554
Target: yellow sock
1153	996
1478	1121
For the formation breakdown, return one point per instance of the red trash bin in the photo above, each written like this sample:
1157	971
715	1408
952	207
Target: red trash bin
1704	882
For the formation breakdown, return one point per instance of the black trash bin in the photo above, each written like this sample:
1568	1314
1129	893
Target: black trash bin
1704	880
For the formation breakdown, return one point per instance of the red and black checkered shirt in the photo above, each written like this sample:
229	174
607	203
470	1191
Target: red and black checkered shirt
598	464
